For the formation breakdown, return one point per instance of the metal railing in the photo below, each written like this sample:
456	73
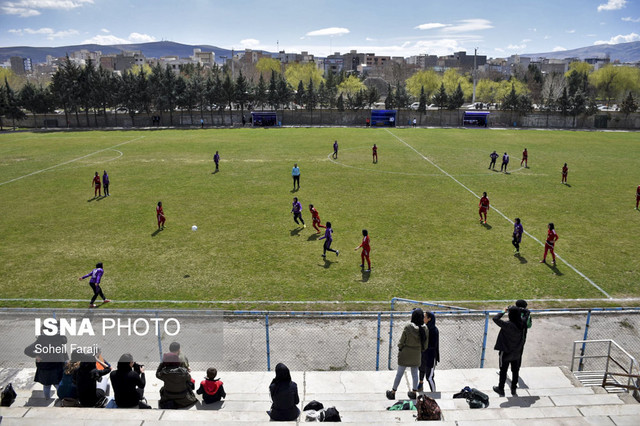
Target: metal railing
619	365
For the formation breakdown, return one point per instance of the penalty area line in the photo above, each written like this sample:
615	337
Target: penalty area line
596	286
71	161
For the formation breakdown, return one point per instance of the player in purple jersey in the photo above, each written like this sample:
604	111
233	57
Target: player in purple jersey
216	159
105	183
94	282
335	150
328	239
517	236
297	212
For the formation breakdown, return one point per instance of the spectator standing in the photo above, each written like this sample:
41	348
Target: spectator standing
413	342
284	396
295	174
49	366
509	345
128	383
211	388
430	357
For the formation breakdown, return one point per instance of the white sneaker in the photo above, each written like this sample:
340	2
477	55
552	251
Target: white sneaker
337	253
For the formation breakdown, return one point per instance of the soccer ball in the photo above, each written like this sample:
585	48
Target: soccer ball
194	228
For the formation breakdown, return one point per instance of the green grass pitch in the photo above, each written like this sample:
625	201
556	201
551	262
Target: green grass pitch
426	239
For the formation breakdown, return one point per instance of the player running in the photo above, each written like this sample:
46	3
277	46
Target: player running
637	197
297	212
483	207
335	150
517	236
315	217
96	185
565	172
552	237
366	249
94	282
375	153
328	239
494	156
525	156
160	215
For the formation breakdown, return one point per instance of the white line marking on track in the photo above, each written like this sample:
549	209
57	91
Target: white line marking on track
71	161
499	212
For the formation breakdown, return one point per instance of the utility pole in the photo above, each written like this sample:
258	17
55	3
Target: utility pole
475	54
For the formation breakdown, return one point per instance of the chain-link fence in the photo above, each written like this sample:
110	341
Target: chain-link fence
256	341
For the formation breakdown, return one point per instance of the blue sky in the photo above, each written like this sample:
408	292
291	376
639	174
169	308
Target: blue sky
498	28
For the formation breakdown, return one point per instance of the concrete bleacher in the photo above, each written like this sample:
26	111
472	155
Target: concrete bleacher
546	395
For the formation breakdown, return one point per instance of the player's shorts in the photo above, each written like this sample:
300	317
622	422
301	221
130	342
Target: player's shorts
483	210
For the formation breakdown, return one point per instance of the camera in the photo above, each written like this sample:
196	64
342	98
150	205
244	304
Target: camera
137	367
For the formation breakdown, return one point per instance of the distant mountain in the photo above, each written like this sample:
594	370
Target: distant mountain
150	50
624	52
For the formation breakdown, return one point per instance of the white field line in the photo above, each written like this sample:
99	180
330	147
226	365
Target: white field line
320	302
500	213
91	164
70	161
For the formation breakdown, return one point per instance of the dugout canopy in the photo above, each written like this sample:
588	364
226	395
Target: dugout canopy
383	117
476	118
264	118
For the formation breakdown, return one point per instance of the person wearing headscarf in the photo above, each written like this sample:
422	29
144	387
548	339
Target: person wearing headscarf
510	344
284	396
430	357
177	391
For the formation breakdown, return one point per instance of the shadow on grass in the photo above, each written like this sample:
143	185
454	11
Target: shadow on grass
313	237
296	232
521	258
102	197
215	172
365	275
327	263
566	184
92	199
294	190
554	269
487	226
156	232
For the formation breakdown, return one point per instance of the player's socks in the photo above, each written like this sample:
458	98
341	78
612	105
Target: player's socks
337	253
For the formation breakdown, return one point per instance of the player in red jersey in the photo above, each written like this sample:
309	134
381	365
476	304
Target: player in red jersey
549	245
315	218
366	249
525	156
96	184
484	207
375	153
160	215
637	197
565	171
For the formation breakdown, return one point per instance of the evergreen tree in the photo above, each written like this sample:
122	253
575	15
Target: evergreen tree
629	105
389	102
340	103
242	92
13	110
229	94
260	93
372	96
273	91
440	99
422	106
284	92
456	99
299	96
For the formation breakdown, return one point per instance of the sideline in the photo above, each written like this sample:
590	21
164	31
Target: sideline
499	212
71	161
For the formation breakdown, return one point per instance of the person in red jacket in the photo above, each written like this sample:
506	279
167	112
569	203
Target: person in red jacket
525	156
549	245
483	207
96	184
211	389
366	249
315	217
160	215
565	171
375	153
637	197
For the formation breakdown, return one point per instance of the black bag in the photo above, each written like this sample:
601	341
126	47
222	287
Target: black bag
70	402
330	415
8	396
428	408
474	397
313	405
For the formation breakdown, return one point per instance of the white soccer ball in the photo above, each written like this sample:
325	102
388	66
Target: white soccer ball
194	228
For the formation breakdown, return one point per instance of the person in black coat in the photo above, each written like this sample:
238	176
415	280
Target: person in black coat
510	344
430	357
284	394
86	378
128	383
49	365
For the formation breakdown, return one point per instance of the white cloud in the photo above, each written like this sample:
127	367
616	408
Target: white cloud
612	5
630	19
106	31
467	25
249	43
547	37
621	38
112	39
49	32
516	46
328	32
570	31
430	26
526	40
558	49
497	49
370	39
27	8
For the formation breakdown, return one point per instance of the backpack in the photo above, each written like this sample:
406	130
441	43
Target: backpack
428	408
474	397
8	396
330	415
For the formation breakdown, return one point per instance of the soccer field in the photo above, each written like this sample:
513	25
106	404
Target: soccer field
419	204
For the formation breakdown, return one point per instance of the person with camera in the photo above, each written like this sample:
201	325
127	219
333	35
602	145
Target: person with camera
86	378
128	383
510	344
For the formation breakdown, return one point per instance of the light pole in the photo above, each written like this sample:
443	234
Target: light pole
475	53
